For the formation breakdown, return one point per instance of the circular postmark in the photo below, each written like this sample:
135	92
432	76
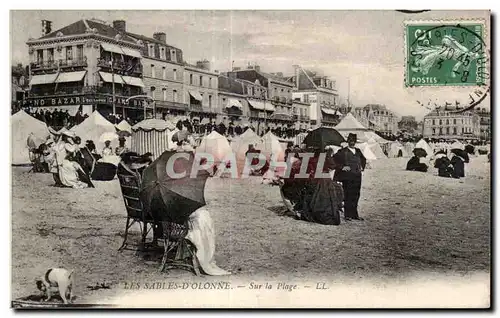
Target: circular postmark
453	54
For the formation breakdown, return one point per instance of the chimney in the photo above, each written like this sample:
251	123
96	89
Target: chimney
120	26
46	27
160	36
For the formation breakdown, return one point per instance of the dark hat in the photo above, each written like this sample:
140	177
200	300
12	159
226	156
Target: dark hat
352	137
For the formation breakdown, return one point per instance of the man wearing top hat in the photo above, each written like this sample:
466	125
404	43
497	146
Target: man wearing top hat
350	163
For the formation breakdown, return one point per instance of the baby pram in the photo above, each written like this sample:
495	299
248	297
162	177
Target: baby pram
101	171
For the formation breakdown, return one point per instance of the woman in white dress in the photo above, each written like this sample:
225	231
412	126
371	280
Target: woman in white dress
68	171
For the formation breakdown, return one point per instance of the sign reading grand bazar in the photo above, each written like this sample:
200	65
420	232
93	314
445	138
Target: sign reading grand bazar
81	100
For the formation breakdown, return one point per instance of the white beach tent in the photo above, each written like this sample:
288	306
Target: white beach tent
216	145
271	146
424	145
366	150
376	149
457	145
22	125
92	128
395	149
124	126
350	125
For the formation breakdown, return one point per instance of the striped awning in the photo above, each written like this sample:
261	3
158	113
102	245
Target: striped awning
70	77
134	81
234	103
120	50
196	95
43	79
257	104
108	78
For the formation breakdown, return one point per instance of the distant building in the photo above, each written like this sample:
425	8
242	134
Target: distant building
484	123
271	105
448	123
318	91
19	86
377	117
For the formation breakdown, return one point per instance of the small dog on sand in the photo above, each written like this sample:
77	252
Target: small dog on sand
56	280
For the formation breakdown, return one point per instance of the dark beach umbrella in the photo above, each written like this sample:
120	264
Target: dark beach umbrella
420	152
461	153
470	149
322	137
169	198
123	133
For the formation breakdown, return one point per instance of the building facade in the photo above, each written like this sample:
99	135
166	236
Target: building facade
320	93
82	66
19	86
163	73
446	123
377	117
484	123
201	91
269	98
301	112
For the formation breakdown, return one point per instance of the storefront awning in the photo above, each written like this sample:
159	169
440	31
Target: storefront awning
120	50
131	52
108	78
256	104
134	81
196	95
70	77
43	79
329	111
234	103
269	107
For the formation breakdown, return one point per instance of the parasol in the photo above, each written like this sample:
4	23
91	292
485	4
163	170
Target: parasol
123	133
108	136
461	153
171	199
322	137
420	152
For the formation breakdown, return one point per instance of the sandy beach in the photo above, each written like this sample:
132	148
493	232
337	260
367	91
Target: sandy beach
417	225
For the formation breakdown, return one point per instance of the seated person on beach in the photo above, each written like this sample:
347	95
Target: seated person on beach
414	164
443	164
71	173
458	163
107	151
122	148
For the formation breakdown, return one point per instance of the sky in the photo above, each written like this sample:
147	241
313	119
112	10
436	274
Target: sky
360	50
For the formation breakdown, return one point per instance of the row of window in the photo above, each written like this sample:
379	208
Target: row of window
68	54
162	52
200	82
467	121
448	131
163	72
164	95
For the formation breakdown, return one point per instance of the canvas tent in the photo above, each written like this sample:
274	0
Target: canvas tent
396	150
350	125
92	128
216	145
367	152
271	146
22	125
152	135
424	145
124	126
377	150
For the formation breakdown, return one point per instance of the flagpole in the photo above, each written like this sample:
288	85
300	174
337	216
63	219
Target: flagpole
113	85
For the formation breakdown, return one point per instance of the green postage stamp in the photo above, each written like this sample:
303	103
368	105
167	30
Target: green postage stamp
445	53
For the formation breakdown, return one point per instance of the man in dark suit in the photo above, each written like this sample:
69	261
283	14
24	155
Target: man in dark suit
350	163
